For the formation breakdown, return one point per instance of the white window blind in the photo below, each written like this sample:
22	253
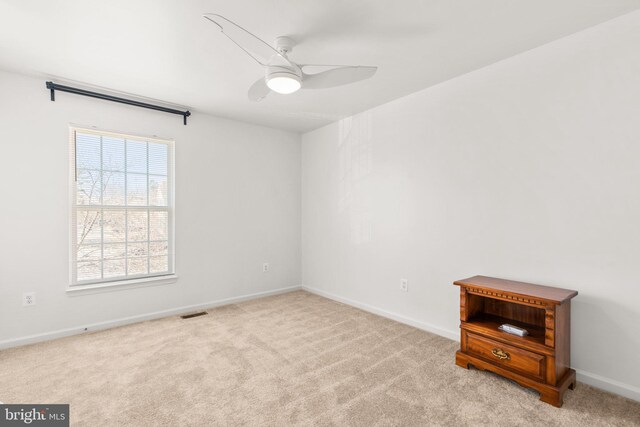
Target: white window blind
122	207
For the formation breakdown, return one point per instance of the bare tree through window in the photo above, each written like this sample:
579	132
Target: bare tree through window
122	207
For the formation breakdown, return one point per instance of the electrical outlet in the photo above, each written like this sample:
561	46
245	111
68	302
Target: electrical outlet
28	298
265	267
404	285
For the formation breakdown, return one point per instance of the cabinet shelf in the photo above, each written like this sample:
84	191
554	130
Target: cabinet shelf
487	324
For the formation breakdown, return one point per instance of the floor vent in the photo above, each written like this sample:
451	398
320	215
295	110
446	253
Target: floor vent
189	316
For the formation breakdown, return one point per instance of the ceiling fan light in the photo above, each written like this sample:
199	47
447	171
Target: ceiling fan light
284	83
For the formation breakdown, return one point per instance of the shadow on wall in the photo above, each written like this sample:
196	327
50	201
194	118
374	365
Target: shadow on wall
605	323
356	163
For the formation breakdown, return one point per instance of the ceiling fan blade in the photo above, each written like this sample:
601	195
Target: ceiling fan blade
337	77
255	47
259	90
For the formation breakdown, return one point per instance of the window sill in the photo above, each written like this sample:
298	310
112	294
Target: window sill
121	285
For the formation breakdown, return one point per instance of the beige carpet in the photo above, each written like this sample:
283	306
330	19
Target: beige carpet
293	359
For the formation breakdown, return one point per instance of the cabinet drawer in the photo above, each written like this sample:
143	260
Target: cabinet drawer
506	356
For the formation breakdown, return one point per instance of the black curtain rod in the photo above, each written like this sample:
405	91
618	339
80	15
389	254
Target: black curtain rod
54	86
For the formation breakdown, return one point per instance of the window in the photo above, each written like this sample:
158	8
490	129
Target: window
122	207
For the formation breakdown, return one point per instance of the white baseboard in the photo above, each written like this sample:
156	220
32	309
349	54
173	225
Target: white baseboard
452	335
607	384
616	387
31	339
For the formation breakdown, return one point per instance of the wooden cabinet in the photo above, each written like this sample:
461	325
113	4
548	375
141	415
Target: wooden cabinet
539	360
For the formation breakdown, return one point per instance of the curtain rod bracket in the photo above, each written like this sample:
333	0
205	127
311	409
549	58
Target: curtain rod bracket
54	86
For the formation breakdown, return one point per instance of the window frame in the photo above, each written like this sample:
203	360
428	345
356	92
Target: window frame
139	279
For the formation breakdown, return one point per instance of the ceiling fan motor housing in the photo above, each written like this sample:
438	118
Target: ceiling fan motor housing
272	71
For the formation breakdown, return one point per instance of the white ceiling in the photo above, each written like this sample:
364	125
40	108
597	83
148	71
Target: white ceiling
165	50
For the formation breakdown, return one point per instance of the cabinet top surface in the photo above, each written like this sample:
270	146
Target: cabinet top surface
547	293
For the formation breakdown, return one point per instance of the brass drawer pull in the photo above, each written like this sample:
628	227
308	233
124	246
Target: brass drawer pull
500	354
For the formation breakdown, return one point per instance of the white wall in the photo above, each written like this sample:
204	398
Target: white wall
237	206
526	169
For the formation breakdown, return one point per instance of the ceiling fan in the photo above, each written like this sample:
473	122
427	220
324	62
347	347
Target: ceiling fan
282	75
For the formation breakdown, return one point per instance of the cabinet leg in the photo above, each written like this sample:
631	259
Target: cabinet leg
551	397
462	361
462	364
555	396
